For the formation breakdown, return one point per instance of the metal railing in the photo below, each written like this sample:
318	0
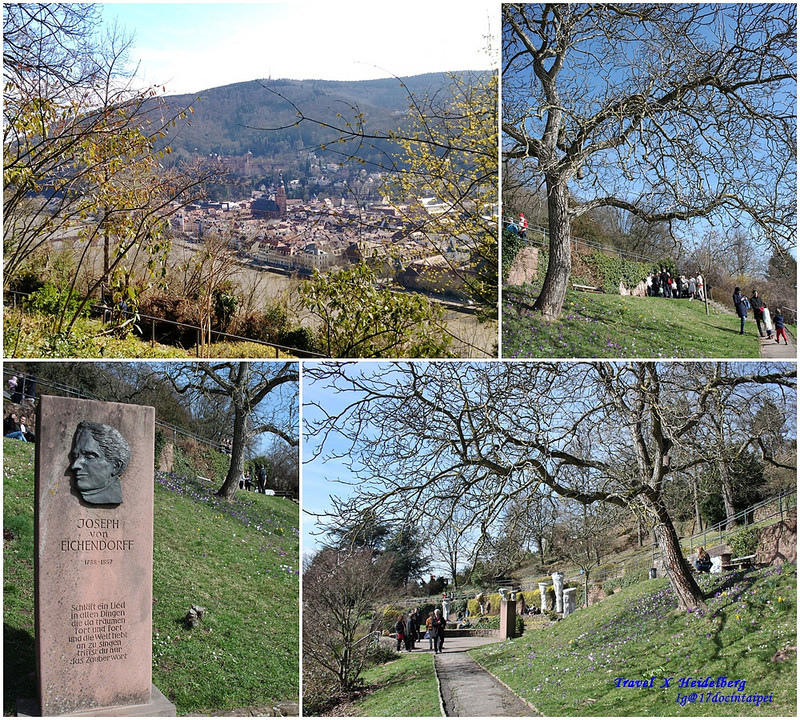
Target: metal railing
69	391
540	235
777	506
780	504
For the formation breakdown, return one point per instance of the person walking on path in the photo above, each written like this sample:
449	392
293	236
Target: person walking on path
758	312
399	628
767	321
780	327
437	630
666	283
411	630
429	630
700	287
740	303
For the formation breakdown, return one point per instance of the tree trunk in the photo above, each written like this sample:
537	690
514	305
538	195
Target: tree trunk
236	469
727	495
698	518
680	575
586	589
559	264
540	541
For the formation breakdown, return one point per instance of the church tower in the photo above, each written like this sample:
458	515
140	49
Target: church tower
280	198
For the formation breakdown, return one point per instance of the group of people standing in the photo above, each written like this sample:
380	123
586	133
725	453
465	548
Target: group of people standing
246	482
765	322
662	284
519	227
408	630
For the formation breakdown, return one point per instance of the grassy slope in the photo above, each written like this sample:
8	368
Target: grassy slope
611	326
571	667
238	560
405	687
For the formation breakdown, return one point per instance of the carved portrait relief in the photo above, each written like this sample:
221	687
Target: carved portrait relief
98	458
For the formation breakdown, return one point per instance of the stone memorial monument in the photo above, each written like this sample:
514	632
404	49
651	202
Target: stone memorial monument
558	587
545	605
94	559
508	618
569	601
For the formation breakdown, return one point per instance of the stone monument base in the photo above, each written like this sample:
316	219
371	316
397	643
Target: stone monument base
508	619
159	706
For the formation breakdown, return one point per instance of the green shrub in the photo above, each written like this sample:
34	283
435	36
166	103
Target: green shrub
389	617
50	299
512	244
492	622
613	270
745	542
301	338
381	653
158	444
489	622
424	610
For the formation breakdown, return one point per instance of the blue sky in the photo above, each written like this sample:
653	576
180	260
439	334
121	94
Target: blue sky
189	47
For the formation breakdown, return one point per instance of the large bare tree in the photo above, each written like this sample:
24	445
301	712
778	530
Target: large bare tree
668	111
246	386
490	433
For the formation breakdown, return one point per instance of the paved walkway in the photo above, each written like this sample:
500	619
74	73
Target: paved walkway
770	350
467	689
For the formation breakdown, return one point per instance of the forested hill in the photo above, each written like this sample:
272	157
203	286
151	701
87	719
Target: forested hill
233	119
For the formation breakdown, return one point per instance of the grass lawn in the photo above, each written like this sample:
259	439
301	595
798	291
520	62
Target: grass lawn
239	560
596	325
572	667
403	687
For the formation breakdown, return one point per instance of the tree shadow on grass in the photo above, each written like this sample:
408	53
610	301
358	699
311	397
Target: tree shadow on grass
748	578
19	667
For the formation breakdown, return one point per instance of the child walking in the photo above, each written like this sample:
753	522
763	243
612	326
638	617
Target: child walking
780	328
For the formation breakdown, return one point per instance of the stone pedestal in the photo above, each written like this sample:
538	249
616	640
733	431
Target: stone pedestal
94	558
569	601
545	605
159	706
508	619
558	587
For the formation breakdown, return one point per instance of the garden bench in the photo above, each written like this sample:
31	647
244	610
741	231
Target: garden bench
586	288
745	561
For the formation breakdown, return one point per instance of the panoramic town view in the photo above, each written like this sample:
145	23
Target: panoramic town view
437	360
235	220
